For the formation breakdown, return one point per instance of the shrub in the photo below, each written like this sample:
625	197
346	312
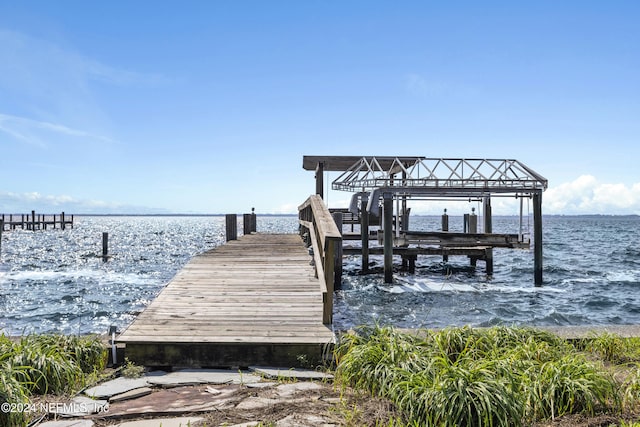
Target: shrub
476	377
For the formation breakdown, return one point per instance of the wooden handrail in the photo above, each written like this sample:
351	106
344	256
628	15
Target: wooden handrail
325	237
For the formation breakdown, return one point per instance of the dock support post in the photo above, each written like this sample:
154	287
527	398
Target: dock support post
337	218
364	232
105	244
537	238
247	226
62	224
388	237
231	226
33	220
488	229
471	226
1	230
445	227
320	179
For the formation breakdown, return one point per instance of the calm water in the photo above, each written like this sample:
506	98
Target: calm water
54	281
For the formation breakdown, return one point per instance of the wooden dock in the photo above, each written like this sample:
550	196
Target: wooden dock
251	301
35	221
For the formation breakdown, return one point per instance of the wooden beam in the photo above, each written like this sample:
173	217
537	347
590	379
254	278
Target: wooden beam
320	179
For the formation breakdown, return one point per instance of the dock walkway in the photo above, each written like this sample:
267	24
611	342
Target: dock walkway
251	301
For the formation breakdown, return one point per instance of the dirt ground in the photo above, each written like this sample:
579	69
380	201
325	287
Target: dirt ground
328	405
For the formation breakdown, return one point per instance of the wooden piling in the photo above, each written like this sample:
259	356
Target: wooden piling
105	244
445	227
471	226
254	225
364	232
388	237
537	238
488	230
246	224
231	226
1	230
62	224
33	220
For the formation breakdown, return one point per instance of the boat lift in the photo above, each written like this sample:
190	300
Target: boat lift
380	182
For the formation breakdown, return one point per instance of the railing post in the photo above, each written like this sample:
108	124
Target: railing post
329	275
337	218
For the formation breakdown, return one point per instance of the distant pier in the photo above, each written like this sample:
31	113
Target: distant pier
34	221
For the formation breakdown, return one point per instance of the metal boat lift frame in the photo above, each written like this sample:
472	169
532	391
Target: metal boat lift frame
378	181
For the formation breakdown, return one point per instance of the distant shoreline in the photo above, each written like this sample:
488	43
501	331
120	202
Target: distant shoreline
295	215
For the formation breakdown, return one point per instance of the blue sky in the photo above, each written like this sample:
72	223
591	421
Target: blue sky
209	106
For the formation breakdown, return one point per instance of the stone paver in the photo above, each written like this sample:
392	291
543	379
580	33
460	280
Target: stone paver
287	390
202	376
131	394
261	385
256	403
162	422
79	407
118	386
71	423
284	373
298	420
174	401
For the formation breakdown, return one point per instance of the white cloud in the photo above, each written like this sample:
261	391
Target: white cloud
586	195
38	133
18	203
48	90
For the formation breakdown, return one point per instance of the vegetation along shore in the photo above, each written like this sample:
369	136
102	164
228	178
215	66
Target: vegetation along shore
500	376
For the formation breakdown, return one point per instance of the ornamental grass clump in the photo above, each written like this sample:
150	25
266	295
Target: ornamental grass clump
41	364
476	377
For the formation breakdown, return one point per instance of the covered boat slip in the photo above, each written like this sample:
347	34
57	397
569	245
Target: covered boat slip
383	186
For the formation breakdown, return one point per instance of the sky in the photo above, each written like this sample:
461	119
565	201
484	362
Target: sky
209	106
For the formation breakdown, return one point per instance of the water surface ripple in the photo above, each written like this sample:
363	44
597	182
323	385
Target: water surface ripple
56	281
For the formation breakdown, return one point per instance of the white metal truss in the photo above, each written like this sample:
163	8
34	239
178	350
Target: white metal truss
440	176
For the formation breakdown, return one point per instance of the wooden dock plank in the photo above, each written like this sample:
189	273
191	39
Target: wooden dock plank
251	301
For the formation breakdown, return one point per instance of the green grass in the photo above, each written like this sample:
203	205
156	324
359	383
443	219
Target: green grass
478	377
41	364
